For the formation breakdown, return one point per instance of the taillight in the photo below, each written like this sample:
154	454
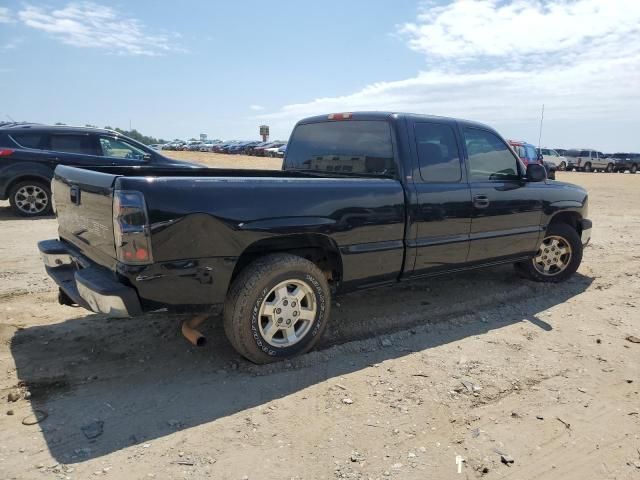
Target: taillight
131	228
5	152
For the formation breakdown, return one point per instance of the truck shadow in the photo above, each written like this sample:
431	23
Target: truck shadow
132	381
6	213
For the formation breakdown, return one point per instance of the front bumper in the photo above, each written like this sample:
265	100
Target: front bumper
86	283
586	231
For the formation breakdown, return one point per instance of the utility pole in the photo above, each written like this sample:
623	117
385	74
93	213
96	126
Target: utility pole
540	133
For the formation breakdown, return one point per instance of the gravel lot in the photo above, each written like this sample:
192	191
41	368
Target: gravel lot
480	365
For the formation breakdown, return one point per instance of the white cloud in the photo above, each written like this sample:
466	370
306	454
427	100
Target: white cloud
90	25
256	108
465	29
5	15
498	62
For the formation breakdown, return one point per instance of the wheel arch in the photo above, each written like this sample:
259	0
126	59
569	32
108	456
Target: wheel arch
317	248
28	177
571	218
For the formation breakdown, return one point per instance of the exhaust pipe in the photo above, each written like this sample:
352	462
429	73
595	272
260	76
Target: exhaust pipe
190	333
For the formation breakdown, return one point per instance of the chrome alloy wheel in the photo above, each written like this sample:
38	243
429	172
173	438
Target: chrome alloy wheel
287	313
553	257
31	199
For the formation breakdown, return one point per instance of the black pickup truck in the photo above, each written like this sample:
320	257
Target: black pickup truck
363	200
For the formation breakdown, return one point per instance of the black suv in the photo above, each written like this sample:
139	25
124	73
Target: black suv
30	152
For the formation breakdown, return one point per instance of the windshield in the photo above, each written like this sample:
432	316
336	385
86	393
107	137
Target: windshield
351	147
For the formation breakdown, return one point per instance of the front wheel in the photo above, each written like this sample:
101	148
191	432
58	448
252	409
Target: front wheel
30	198
610	168
277	307
633	169
563	166
587	167
558	256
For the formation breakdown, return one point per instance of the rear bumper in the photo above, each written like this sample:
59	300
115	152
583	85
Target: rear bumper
86	283
586	231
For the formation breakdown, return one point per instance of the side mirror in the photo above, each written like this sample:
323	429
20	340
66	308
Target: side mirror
146	157
536	172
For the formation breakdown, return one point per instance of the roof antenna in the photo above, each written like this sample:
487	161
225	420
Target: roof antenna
540	133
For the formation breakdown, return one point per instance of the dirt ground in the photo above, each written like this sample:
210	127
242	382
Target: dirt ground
481	367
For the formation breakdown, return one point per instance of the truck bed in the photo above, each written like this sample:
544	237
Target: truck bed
209	217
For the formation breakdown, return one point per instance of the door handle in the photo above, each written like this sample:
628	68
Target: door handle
74	195
480	201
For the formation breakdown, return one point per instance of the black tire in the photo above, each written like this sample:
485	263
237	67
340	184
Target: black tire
42	200
570	235
243	323
563	166
610	168
634	168
587	167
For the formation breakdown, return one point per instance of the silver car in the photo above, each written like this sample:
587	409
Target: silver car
549	155
588	160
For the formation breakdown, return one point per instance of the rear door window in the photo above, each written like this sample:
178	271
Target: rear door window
70	143
438	153
350	146
30	140
490	159
532	156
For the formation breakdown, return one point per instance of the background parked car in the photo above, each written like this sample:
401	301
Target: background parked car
588	160
528	153
553	157
626	161
192	146
260	151
281	151
272	151
29	153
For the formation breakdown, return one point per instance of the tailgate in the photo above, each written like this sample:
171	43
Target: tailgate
83	201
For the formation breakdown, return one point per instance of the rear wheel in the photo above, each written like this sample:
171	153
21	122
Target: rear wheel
558	256
634	168
587	167
610	168
30	198
277	308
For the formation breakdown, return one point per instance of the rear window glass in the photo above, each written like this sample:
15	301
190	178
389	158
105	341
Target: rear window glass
29	140
73	144
353	146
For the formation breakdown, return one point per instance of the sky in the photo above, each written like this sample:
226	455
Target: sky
178	69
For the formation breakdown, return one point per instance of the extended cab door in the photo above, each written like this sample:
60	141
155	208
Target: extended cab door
441	203
506	209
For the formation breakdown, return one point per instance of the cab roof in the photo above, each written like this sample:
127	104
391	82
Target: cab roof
386	115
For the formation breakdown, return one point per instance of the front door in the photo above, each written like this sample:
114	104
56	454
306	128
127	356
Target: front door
441	208
506	209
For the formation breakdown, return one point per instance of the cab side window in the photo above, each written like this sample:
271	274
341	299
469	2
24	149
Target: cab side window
117	148
490	159
438	154
70	143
